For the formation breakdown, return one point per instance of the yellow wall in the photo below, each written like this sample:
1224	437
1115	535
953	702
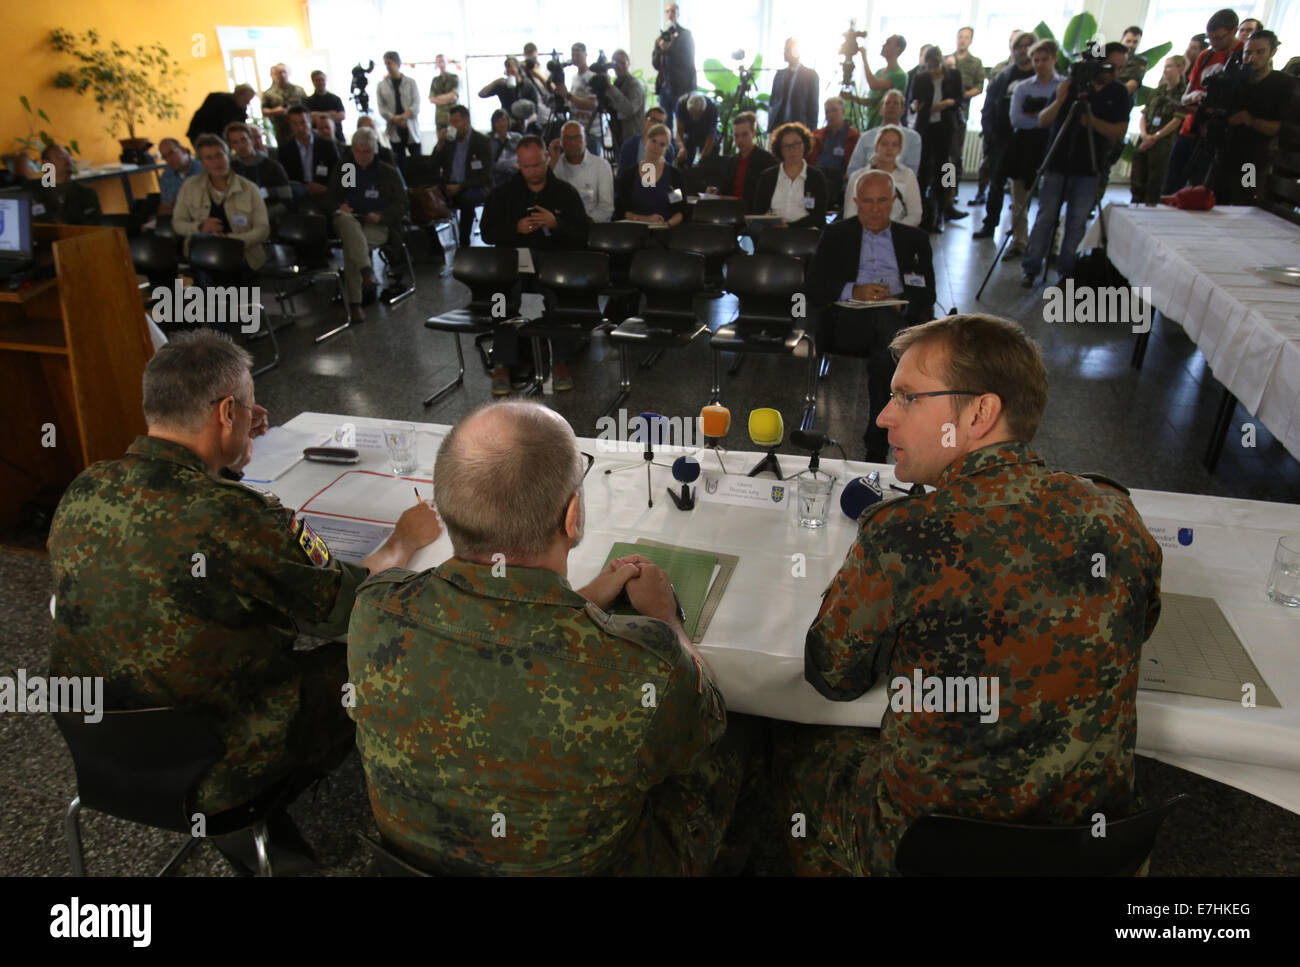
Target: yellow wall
29	65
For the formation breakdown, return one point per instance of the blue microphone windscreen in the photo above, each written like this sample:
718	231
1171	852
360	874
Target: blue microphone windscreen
686	469
652	427
856	497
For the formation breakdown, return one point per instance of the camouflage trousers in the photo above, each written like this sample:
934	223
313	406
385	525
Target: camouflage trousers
822	787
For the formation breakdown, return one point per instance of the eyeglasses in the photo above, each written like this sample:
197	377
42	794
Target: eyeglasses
791	144
589	460
904	400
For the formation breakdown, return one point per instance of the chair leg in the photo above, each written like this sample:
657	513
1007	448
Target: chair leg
275	347
458	381
539	378
347	317
178	857
810	396
715	391
72	833
624	382
825	368
736	363
410	288
650	359
262	843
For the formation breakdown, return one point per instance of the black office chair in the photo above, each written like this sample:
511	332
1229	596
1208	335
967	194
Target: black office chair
162	227
155	257
299	259
799	243
720	211
223	261
492	275
940	845
769	288
144	766
387	861
570	284
1281	194
670	281
621	241
716	243
127	222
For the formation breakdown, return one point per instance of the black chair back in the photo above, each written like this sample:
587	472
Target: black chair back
799	243
222	257
716	243
163	227
766	286
142	766
129	223
719	211
488	272
155	258
620	241
958	846
695	181
307	235
670	281
570	283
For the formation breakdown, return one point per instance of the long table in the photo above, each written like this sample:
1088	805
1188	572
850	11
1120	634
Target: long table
1198	266
755	642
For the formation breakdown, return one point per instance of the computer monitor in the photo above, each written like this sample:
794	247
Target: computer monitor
15	228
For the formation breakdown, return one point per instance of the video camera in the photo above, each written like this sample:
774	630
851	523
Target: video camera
1086	70
358	89
850	47
555	69
599	82
1225	95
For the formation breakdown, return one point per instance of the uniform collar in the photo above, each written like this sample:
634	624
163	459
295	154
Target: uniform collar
988	458
156	448
528	585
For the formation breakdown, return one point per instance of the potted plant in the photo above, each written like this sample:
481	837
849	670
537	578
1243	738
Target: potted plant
35	142
732	91
129	84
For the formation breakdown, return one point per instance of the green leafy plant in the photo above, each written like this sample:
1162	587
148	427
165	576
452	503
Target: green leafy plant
731	98
38	138
129	84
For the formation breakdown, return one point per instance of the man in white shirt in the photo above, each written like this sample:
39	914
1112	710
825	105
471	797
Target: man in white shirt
891	112
582	100
591	176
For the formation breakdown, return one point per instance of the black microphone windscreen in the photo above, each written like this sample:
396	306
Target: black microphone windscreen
808	439
686	469
857	496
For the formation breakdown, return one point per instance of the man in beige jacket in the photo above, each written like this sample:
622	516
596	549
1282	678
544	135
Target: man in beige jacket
222	203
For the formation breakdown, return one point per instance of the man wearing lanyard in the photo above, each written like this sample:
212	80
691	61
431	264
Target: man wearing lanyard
464	164
272	183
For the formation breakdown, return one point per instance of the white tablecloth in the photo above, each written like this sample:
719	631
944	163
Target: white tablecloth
755	642
1198	267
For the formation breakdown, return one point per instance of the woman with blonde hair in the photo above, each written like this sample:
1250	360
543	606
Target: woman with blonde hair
907	198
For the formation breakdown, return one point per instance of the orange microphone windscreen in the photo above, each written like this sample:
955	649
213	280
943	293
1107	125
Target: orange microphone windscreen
766	428
715	420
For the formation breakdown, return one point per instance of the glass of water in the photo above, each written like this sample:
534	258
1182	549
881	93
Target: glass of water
813	499
402	450
1284	579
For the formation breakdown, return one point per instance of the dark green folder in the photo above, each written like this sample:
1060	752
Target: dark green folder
690	571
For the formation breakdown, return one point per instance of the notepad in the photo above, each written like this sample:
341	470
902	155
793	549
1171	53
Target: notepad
690	571
879	304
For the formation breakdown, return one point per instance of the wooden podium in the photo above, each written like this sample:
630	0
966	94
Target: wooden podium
72	351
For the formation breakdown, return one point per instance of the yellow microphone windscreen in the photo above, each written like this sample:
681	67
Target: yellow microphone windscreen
766	428
715	420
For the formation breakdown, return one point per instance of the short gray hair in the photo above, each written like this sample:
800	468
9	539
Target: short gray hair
893	92
837	101
507	492
874	173
695	100
366	136
187	373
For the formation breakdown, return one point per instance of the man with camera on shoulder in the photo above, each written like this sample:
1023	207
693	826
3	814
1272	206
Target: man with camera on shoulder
1258	99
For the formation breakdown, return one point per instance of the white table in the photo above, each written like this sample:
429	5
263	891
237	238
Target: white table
1198	268
755	643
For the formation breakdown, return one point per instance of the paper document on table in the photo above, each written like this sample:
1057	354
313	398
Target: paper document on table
526	261
690	571
720	578
348	540
367	496
1194	651
278	450
877	304
758	492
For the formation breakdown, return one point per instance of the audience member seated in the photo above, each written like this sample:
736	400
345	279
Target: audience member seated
590	175
220	202
583	778
633	150
833	145
652	191
307	159
793	189
219	109
369	203
322	101
260	146
269	177
891	110
504	143
384	154
464	165
697	128
871	259
740	171
534	209
66	202
974	582
128	608
907	193
180	165
323	126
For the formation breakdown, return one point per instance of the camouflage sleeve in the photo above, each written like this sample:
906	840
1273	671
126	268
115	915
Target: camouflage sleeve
284	564
849	646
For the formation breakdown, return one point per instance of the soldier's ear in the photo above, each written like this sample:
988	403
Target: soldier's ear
573	518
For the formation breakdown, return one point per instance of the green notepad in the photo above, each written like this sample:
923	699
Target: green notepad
690	571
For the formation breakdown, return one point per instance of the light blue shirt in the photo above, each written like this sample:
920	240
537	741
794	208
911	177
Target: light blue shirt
877	264
305	152
1031	87
458	161
169	181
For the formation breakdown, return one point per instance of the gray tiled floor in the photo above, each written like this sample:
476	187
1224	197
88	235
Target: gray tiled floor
1146	429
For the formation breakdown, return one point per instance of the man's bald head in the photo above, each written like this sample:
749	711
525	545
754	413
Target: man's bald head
504	479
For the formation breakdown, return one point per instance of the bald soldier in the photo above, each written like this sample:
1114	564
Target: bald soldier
183	587
1022	594
510	724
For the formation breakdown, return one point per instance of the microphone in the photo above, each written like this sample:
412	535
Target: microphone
651	427
859	494
814	441
715	422
766	430
686	470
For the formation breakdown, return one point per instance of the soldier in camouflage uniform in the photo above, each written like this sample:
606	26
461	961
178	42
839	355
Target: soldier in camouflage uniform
510	724
1046	581
183	587
276	101
1161	118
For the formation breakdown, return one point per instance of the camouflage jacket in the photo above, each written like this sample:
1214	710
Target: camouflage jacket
290	96
1045	580
508	725
134	602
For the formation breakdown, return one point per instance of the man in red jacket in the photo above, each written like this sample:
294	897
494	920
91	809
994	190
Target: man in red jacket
1222	31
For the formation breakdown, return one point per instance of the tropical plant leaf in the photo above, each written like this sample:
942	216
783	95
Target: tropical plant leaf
758	64
22	99
1129	152
75	148
723	78
1042	31
1082	28
1156	54
1143	95
42	115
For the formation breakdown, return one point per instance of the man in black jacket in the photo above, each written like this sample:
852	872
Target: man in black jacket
995	121
674	59
795	92
65	202
307	159
464	166
870	259
272	183
219	109
534	209
740	171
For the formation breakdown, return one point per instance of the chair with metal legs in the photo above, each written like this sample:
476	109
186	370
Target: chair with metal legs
570	283
222	260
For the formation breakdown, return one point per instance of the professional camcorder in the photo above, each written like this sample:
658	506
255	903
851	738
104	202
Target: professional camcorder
1225	95
850	47
599	83
358	89
1085	71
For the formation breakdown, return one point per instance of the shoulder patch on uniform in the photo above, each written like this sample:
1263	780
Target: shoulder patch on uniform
1108	481
312	545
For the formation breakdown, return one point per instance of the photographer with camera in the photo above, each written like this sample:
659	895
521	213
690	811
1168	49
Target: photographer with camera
1221	30
1262	102
674	59
1089	112
512	87
399	104
582	100
891	77
626	96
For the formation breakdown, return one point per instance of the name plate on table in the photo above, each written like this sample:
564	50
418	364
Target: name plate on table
764	492
1173	535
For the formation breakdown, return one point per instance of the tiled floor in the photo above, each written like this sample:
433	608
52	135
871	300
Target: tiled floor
1146	429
